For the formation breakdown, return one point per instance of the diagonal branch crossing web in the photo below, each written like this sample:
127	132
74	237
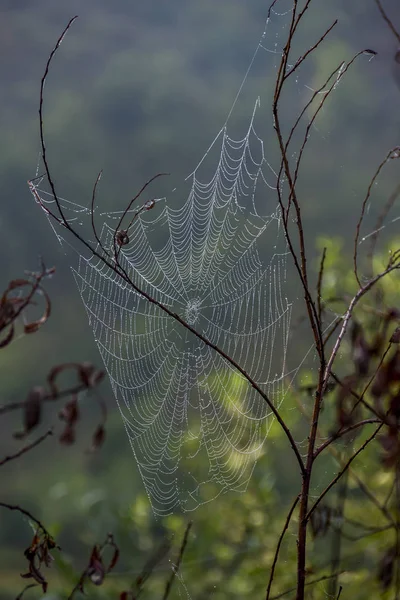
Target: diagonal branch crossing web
218	260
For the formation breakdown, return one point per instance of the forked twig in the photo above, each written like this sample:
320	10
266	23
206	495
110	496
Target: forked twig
343	470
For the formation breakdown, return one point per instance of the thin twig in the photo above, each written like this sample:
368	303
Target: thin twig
25	512
42	143
313	582
175	567
319	284
343	432
310	50
47	397
92	209
390	154
388	21
347	316
278	547
26	448
343	470
26	588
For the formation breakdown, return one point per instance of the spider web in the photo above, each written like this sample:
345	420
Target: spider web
218	260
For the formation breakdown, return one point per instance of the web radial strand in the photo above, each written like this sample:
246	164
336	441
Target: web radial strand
196	427
218	260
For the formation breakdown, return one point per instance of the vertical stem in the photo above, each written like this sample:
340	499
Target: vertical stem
305	490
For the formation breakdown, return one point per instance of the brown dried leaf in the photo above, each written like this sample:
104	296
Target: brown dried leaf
16	283
32	411
67	437
85	373
115	557
98	438
96	571
395	339
70	412
35	325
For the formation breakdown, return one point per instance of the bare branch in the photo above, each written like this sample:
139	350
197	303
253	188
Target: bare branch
343	470
26	448
388	20
30	516
278	547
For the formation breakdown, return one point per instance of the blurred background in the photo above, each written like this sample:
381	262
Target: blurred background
138	88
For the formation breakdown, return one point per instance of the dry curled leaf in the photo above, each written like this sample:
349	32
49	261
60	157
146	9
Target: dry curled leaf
70	411
96	570
38	554
98	438
67	437
32	411
395	339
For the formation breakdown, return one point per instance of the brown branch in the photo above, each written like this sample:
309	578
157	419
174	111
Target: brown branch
42	143
343	432
92	209
26	448
308	583
343	470
27	514
47	397
388	21
310	50
347	316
